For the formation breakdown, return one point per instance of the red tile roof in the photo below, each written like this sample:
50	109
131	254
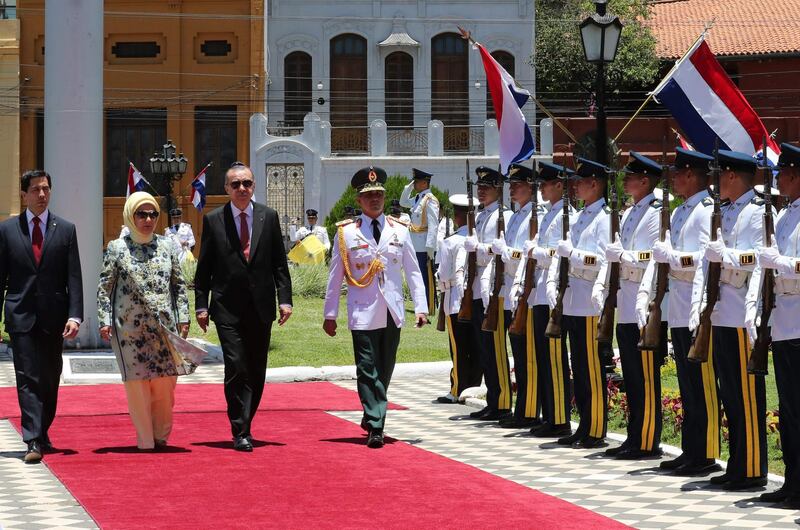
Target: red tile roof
742	27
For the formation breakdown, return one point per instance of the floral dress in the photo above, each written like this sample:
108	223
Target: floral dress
139	285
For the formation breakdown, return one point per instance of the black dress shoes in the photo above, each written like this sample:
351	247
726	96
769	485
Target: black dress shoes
34	453
547	430
589	442
495	415
569	440
448	399
719	480
675	463
701	467
745	484
638	454
614	451
478	413
516	423
243	443
375	439
779	495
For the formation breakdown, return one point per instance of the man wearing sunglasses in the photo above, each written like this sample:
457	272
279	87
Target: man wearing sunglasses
242	267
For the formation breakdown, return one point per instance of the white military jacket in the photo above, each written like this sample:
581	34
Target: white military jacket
639	229
424	217
318	231
367	306
689	228
516	234
486	232
452	259
787	282
742	232
590	236
183	236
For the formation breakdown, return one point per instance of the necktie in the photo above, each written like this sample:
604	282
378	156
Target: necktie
36	240
244	236
376	230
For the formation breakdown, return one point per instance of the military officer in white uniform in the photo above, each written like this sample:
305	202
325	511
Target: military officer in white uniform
463	337
372	253
313	229
743	395
583	302
783	256
527	407
551	354
181	233
641	369
494	357
396	211
683	250
424	226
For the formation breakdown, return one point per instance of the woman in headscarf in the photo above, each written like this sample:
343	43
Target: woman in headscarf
141	286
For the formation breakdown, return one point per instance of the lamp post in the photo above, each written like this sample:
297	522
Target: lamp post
600	34
168	168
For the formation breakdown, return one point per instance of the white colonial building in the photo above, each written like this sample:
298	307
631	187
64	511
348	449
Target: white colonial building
353	83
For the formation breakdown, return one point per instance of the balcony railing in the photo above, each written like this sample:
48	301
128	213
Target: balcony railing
407	141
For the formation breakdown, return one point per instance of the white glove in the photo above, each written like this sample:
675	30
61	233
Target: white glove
470	243
715	250
430	253
614	251
565	247
662	250
751	322
770	258
641	315
498	245
530	245
694	318
598	298
552	294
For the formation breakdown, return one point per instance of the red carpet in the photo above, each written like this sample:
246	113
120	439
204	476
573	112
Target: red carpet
309	469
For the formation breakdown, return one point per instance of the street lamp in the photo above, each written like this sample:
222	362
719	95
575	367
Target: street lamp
168	168
600	34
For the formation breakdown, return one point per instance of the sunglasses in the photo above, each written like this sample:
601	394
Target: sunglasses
246	183
152	214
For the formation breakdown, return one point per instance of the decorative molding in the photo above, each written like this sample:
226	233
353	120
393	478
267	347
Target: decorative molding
300	42
336	27
514	46
283	149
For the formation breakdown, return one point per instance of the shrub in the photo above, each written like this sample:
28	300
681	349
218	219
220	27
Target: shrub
309	281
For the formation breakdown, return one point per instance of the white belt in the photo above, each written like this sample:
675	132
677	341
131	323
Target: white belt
683	276
631	274
784	286
735	278
583	274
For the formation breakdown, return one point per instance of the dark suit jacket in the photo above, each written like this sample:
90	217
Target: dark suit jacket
230	280
47	294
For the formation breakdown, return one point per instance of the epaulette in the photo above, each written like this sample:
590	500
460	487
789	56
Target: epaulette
656	203
758	201
433	197
606	208
344	222
393	220
708	201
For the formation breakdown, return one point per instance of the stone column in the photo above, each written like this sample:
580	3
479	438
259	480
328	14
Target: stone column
73	138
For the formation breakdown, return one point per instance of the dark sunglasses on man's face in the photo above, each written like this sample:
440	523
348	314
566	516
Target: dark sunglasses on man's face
246	183
152	214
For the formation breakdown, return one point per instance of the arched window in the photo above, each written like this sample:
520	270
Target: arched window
506	60
297	88
450	88
399	90
348	93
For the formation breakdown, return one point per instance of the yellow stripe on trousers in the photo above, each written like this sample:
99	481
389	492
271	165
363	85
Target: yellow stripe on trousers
595	379
501	357
454	348
753	454
531	403
431	289
712	403
560	414
650	399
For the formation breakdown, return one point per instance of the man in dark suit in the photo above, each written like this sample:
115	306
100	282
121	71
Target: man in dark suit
242	265
40	279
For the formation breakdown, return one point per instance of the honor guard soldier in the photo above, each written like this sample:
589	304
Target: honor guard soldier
463	337
494	357
583	302
371	253
424	226
181	233
551	354
743	395
527	407
641	369
783	256
682	249
313	229
396	211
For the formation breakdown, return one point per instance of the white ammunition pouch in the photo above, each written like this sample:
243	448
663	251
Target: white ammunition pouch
682	276
583	274
734	277
785	286
630	273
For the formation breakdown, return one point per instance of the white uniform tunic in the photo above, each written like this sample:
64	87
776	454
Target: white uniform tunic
590	236
367	306
452	258
424	217
183	238
742	232
486	232
550	227
516	234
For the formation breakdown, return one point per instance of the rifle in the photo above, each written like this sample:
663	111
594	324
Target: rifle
520	322
605	326
698	352
553	329
494	308
757	364
465	311
651	334
442	318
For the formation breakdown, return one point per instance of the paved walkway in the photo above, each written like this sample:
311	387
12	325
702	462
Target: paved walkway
629	491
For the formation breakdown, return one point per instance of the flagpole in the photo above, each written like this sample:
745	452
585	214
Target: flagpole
466	35
708	26
145	180
189	187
